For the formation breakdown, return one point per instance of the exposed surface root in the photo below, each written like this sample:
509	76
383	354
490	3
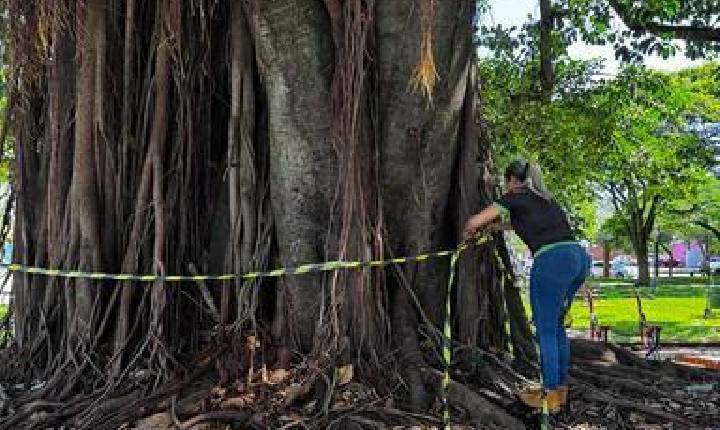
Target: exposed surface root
610	388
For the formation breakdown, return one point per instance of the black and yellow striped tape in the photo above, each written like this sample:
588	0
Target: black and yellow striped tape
447	338
304	269
327	266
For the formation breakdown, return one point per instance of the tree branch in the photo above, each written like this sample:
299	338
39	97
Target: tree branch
707	226
617	198
547	75
650	221
696	34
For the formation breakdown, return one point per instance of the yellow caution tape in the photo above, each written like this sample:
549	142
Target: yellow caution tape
304	269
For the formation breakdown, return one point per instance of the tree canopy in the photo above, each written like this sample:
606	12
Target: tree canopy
628	139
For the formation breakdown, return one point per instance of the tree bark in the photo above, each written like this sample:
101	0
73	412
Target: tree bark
241	133
639	240
84	183
547	73
248	135
158	136
419	147
641	253
606	259
294	47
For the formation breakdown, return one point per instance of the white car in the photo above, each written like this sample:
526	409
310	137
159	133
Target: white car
598	269
632	271
619	268
714	265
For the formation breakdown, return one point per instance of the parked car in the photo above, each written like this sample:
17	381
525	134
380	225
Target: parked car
632	271
618	269
714	265
597	269
621	269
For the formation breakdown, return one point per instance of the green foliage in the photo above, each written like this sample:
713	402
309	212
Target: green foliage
626	138
520	125
697	216
649	27
613	231
649	153
7	155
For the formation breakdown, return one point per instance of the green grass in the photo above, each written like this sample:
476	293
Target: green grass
3	310
677	309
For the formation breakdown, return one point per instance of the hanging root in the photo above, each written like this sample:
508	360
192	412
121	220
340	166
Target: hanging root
426	75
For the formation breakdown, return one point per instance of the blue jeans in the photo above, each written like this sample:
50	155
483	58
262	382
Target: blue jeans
557	274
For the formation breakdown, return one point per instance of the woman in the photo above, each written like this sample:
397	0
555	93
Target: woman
559	269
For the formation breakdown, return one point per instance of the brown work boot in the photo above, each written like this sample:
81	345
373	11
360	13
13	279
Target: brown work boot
533	397
563	394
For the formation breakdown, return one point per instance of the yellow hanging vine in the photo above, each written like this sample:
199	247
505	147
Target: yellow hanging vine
425	75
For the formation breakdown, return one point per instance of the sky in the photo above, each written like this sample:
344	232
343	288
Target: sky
515	12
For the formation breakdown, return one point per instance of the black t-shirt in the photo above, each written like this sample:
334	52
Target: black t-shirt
536	220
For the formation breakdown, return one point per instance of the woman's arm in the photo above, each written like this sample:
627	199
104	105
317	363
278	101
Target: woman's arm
477	222
500	226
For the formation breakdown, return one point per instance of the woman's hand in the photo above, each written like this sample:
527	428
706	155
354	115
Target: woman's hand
472	227
477	222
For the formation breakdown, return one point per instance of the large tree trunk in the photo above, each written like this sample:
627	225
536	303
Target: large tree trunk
420	146
157	142
606	259
641	252
639	233
240	136
295	46
84	188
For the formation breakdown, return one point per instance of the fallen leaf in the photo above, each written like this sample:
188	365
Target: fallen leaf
277	376
344	374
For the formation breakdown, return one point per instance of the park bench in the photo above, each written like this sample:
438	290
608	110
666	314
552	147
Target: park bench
649	333
597	332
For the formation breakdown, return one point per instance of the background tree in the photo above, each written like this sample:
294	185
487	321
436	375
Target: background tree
614	232
652	26
701	210
634	29
695	217
594	128
650	156
560	136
